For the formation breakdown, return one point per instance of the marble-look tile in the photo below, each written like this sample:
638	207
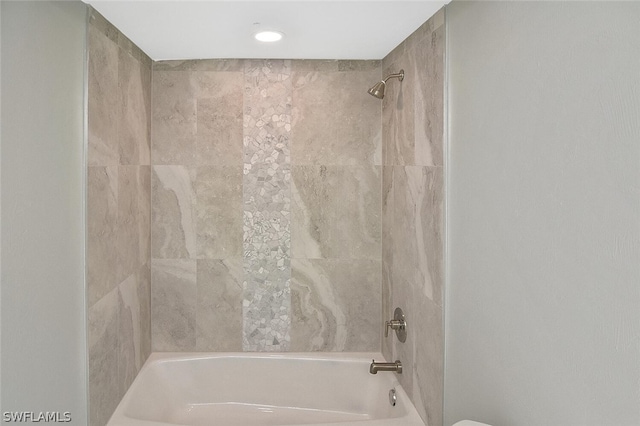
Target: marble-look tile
144	214
333	65
358	204
412	267
174	120
267	99
412	203
104	392
173	305
101	25
173	221
403	296
398	114
413	111
219	211
336	212
130	48
323	134
103	100
102	224
312	65
129	332
313	211
144	299
428	370
266	216
219	309
335	305
231	65
396	54
433	24
266	305
418	229
134	84
387	252
267	150
134	325
266	205
387	309
428	63
358	65
127	238
219	134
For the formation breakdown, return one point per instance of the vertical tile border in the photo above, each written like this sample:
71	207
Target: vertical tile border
267	206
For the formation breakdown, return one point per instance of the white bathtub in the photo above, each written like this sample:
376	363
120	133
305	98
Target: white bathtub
240	389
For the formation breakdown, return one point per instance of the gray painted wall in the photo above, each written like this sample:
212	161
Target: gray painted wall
543	292
43	298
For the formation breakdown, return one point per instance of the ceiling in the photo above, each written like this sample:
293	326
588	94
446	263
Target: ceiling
348	29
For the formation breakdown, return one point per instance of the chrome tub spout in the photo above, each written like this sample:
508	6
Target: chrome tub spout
385	366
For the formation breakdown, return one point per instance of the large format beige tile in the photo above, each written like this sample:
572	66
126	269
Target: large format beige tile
104	390
336	212
387	252
103	100
144	298
101	25
229	65
129	332
144	214
335	305
413	110
335	121
427	59
102	225
173	305
173	218
428	371
398	113
219	310
134	90
219	97
174	119
127	239
219	134
219	211
412	217
418	229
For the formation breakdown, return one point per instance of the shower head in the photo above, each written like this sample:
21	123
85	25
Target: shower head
378	89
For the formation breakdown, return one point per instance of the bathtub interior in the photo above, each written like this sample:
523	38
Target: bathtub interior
260	390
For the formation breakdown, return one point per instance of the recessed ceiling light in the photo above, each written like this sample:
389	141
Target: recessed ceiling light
268	36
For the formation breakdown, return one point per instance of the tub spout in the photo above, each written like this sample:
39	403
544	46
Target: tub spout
385	366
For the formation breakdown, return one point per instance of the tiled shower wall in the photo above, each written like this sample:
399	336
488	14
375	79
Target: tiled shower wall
266	200
412	212
118	215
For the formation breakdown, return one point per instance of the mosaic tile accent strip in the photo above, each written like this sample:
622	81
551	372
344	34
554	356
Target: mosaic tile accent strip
267	206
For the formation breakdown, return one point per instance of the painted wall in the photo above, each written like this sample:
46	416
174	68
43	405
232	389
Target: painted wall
543	294
266	206
118	215
412	217
43	288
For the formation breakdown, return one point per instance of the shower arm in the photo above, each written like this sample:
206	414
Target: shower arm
399	76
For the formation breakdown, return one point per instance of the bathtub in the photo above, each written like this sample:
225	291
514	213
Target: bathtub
241	389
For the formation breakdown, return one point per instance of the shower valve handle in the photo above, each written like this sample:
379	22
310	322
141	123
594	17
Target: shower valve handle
394	325
399	324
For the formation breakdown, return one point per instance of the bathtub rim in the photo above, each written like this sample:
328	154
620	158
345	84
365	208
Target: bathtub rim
158	358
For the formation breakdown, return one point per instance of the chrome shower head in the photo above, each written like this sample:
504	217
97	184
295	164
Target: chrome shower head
378	89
